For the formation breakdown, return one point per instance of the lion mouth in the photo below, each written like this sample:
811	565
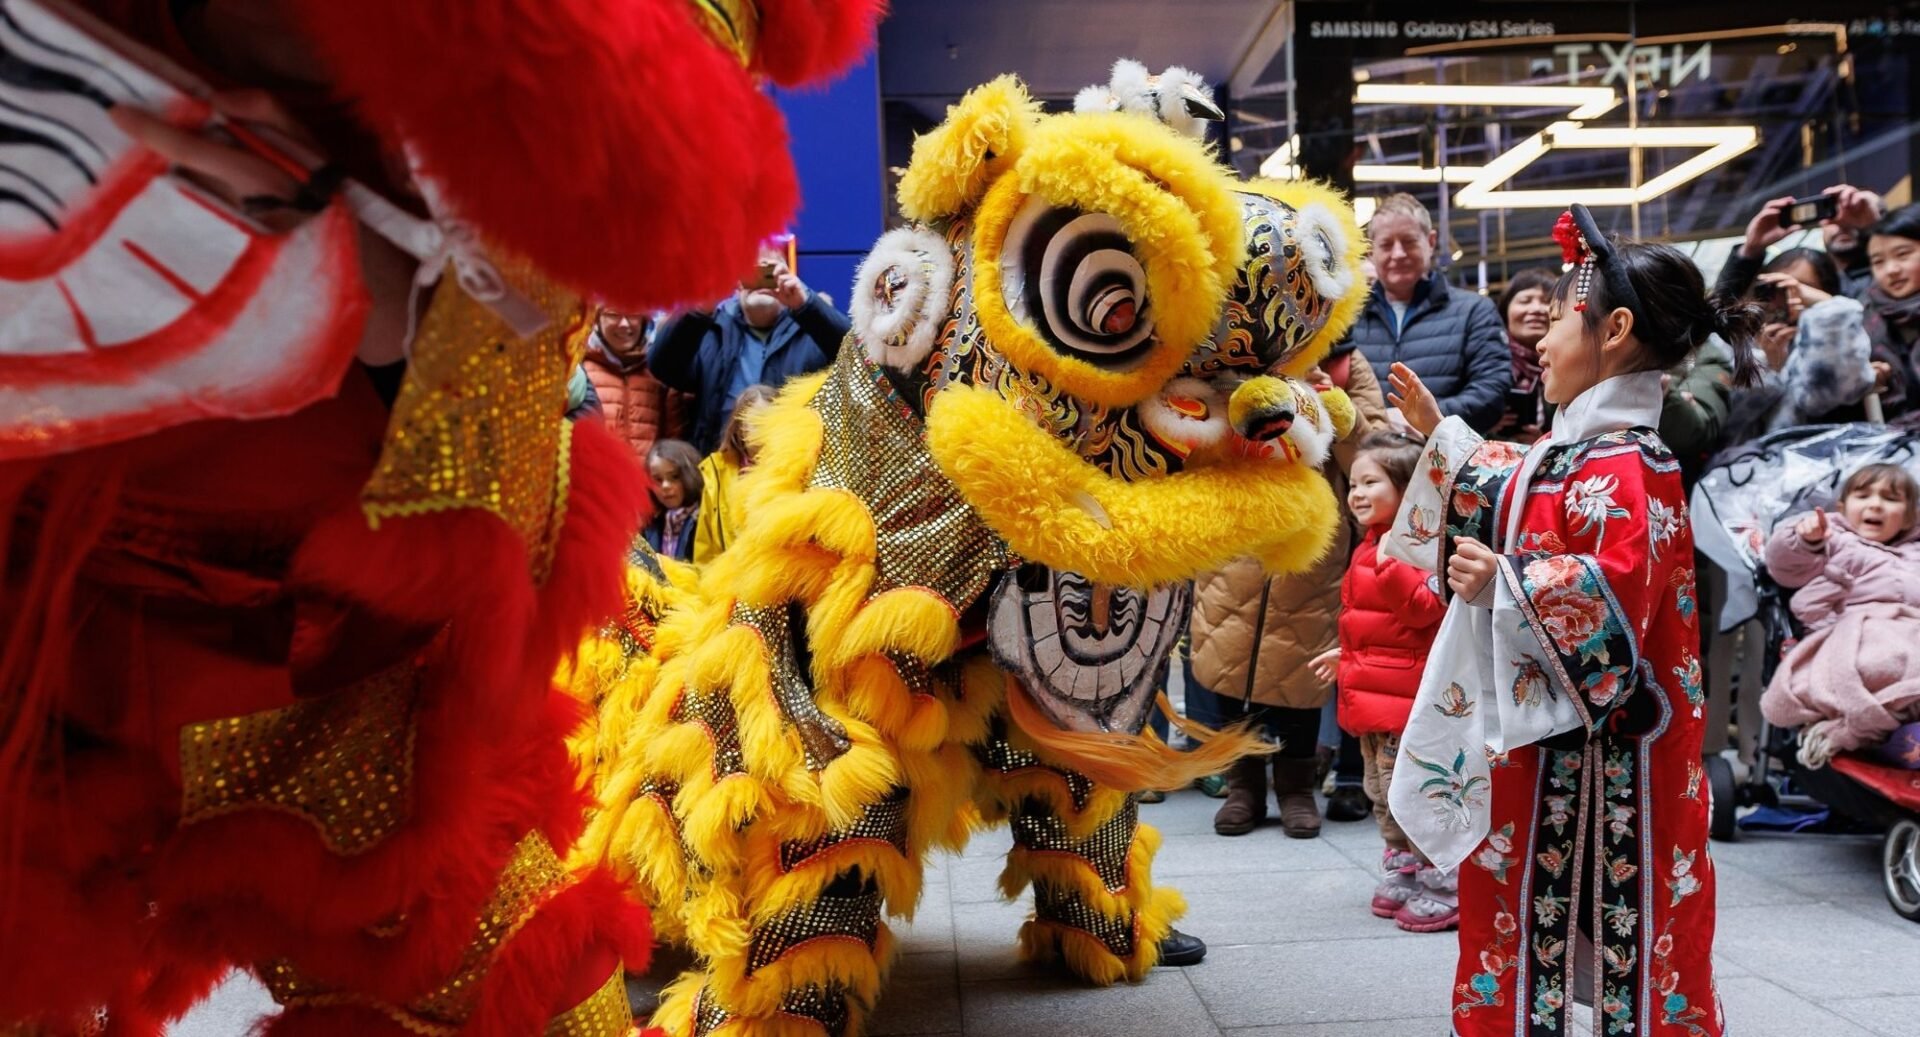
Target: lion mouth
1053	507
1089	654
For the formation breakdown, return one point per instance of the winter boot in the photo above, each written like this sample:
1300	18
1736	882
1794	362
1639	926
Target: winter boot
1349	803
1435	906
1246	804
1293	789
1399	885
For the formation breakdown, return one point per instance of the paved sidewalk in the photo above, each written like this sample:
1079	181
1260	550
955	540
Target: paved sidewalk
1807	948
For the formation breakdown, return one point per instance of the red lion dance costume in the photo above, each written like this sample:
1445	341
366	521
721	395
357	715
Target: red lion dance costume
276	647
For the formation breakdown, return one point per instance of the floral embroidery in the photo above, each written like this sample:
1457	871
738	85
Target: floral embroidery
1619	821
1482	989
1622	918
1566	770
1684	883
1675	1010
1663	524
1591	501
1453	793
1604	687
1549	908
1616	1006
1619	774
1454	703
1694	774
1547	543
1530	684
1559	812
1691	682
1436	466
1548	1000
1497	453
1683	591
1492	857
1567	599
1468	499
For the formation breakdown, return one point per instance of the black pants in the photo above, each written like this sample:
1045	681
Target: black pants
1297	730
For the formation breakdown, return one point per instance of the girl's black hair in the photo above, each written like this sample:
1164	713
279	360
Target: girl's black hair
1826	273
1396	453
1903	222
685	460
1678	316
1535	277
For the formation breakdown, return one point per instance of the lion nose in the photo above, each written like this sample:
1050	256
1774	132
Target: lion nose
1271	424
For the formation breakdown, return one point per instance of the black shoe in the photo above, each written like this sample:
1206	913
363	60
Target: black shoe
1349	804
1178	949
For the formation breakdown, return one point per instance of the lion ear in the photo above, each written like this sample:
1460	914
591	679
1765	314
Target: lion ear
981	137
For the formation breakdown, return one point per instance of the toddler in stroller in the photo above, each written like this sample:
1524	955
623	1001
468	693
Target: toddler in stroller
1855	679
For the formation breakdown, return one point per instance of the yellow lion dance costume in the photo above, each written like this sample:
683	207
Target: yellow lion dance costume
1070	385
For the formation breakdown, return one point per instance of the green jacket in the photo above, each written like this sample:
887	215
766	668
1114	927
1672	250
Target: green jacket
1694	417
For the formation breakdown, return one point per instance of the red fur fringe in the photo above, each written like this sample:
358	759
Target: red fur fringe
811	39
616	145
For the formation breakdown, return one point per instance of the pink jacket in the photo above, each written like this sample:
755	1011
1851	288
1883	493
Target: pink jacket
1845	571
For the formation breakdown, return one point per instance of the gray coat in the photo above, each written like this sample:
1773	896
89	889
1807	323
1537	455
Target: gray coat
1453	339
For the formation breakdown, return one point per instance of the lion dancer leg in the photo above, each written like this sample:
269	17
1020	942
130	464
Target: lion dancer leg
1089	860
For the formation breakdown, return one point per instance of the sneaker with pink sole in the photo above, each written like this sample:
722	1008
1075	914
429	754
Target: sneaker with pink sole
1399	885
1435	907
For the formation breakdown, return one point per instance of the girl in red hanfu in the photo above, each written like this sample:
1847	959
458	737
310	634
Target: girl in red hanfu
1554	747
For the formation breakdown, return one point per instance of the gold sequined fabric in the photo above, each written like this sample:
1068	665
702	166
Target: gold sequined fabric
343	762
479	422
854	917
826	1006
998	754
714	711
926	534
607	1013
735	24
884	821
1063	906
532	876
1105	850
822	738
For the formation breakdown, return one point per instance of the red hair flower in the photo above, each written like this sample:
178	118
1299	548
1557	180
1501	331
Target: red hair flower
1568	235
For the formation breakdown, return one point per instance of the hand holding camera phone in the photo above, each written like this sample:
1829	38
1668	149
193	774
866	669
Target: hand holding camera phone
1817	209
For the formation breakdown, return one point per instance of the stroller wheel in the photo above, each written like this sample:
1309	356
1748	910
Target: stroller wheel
1721	799
1901	862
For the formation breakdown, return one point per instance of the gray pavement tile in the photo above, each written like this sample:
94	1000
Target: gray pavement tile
1820	951
932	925
1723	967
1757	1008
922	996
1409	976
976	879
1885	1016
1164	1005
1262	850
1186	812
1847	885
1283	908
1741	886
1770	855
986	939
1429	1026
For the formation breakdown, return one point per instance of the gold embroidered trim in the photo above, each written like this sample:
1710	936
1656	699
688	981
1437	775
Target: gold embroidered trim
735	24
605	1014
532	876
343	763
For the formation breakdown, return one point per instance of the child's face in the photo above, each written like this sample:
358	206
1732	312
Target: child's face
1877	511
1569	362
1371	496
666	483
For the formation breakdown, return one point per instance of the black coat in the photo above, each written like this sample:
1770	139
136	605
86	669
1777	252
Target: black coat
697	353
1453	339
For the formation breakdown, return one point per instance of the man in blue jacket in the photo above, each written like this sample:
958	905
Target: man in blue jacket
764	335
1453	339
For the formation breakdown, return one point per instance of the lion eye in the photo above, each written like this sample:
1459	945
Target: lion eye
1074	276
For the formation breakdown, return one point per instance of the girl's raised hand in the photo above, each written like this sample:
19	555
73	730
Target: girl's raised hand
1410	396
1471	568
1813	528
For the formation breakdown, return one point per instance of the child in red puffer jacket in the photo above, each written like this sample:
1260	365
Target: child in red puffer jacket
1389	615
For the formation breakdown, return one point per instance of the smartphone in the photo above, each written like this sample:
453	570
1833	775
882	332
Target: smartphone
765	279
1817	209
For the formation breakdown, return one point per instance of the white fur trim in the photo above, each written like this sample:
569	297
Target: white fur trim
1094	99
1322	237
1172	426
1132	87
1174	84
900	335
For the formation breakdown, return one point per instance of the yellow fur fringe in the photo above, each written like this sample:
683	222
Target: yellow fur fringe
979	138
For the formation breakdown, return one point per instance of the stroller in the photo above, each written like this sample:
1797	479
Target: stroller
1735	506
